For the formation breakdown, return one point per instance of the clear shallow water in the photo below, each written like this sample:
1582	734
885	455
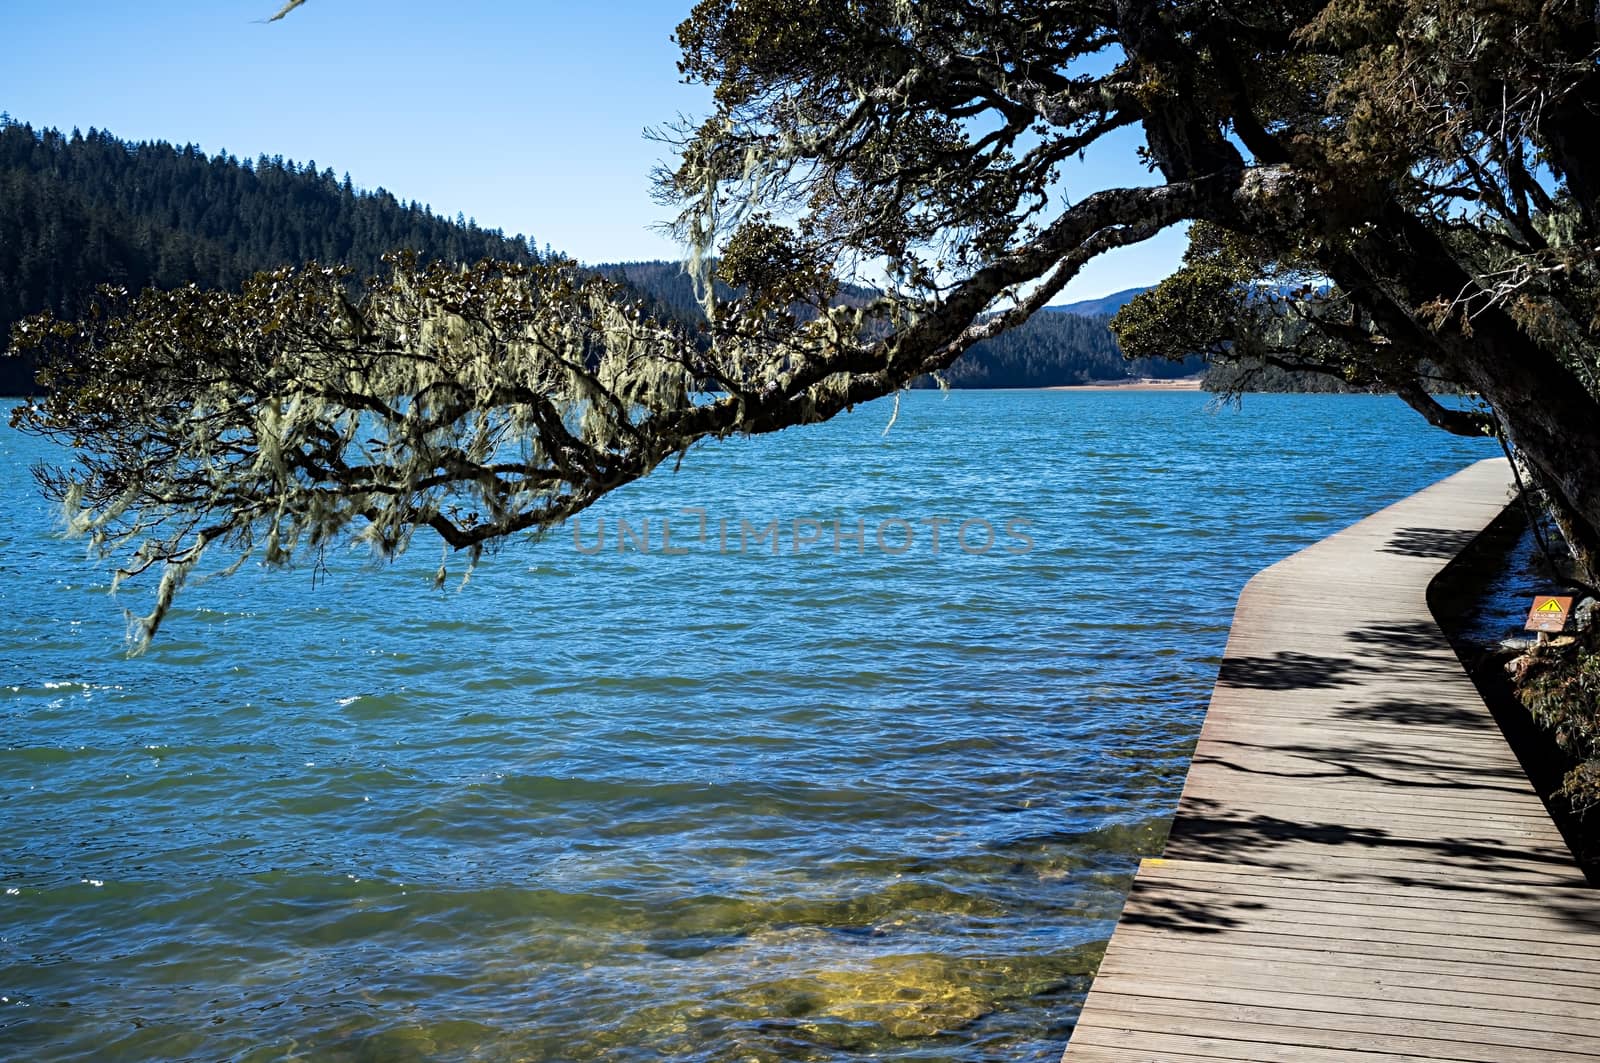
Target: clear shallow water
634	806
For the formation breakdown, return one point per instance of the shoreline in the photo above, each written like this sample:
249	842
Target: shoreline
1190	383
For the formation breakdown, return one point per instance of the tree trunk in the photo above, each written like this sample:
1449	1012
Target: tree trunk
1567	126
1550	416
1555	425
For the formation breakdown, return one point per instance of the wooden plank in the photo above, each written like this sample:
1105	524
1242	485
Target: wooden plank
1356	798
1523	964
1545	897
1310	764
1311	857
1159	1046
1356	984
1379	1035
1486	1025
1396	822
1204	954
1386	825
1212	784
1489	912
1265	909
1223	959
1096	1054
1284	728
1358	868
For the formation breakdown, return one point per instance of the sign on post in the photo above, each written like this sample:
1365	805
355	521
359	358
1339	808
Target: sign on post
1549	613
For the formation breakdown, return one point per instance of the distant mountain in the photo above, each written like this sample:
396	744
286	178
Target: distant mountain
1053	350
1104	306
1048	350
78	211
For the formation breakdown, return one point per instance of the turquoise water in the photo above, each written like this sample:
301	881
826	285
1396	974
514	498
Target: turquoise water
636	806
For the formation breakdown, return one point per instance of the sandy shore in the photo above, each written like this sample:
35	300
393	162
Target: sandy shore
1191	383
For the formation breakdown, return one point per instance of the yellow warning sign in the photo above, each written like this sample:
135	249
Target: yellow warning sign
1549	613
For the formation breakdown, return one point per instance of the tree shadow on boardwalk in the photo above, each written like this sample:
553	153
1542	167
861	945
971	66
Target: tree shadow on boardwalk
1377	762
1406	650
1387	662
1307	751
1349	790
1192	912
1407	642
1289	671
1440	543
1441	714
1208	831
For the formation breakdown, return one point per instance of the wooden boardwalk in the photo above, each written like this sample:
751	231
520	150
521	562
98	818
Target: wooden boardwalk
1359	869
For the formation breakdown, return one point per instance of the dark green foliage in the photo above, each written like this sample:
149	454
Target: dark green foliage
84	210
1237	377
1561	689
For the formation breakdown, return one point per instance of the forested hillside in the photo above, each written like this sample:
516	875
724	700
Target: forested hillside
667	291
81	210
1051	350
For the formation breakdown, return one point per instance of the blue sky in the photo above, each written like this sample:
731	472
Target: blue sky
526	116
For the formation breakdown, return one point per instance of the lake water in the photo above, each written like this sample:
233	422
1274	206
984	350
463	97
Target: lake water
718	805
